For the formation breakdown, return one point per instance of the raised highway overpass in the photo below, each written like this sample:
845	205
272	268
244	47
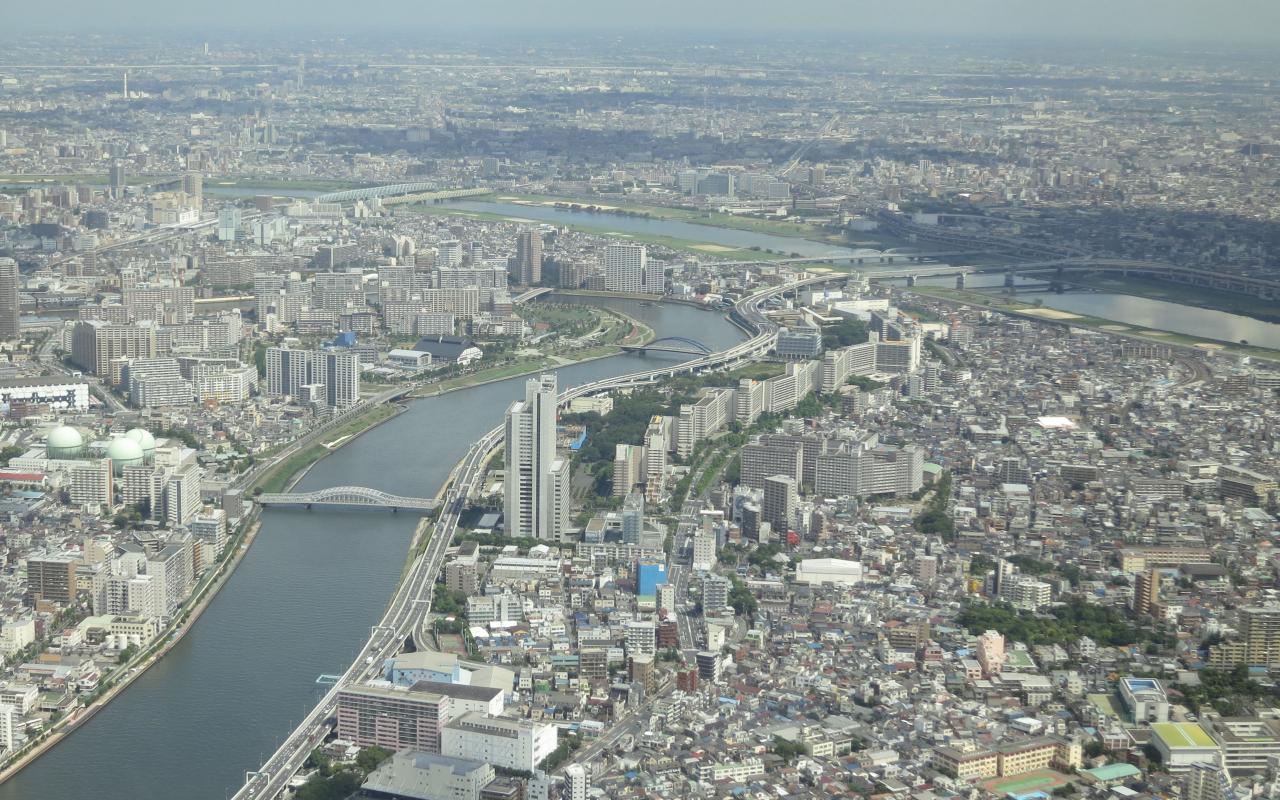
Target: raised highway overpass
411	603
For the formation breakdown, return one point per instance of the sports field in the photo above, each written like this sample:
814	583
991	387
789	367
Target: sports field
1045	780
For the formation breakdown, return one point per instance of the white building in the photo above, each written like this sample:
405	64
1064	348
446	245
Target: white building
8	727
413	773
508	743
60	394
577	782
624	267
835	571
642	638
182	495
530	502
210	529
16	634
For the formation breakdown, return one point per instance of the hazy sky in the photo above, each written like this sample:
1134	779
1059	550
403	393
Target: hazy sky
1245	20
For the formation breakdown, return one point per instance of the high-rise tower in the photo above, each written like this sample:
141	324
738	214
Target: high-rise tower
530	508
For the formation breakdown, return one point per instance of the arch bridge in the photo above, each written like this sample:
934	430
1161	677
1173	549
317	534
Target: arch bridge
348	497
672	344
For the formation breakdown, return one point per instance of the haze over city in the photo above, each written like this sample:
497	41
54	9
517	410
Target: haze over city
581	400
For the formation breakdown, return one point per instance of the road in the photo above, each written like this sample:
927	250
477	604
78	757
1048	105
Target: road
411	603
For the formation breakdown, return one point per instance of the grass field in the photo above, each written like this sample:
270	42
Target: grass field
1045	780
277	478
670	242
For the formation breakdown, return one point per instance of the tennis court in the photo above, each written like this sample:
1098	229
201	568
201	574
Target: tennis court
1045	780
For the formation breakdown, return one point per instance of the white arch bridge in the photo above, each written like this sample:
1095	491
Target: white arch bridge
348	497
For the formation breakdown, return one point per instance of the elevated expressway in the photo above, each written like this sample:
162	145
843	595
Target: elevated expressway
410	606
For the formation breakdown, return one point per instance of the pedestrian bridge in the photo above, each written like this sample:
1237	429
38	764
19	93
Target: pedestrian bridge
348	497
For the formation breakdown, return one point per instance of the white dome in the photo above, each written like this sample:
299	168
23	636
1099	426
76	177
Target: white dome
64	441
124	453
144	439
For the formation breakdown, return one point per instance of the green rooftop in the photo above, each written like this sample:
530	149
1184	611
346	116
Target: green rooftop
1183	734
1113	772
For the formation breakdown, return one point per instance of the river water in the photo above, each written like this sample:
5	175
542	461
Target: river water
1138	311
675	229
300	605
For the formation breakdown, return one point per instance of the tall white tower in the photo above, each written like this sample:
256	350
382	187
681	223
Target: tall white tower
577	782
530	452
624	267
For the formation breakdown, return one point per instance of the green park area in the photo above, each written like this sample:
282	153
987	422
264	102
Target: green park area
780	226
278	477
669	242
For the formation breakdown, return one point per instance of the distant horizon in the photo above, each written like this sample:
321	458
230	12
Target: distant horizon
1178	22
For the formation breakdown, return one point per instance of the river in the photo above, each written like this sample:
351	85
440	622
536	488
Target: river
300	605
1129	309
675	229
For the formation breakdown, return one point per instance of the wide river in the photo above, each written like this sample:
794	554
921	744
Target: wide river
299	606
1140	311
1143	312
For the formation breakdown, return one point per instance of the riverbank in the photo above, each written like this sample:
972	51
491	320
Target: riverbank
639	334
287	471
1197	296
782	226
670	242
149	656
1018	308
198	601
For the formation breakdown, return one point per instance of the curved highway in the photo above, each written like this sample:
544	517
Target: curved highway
411	603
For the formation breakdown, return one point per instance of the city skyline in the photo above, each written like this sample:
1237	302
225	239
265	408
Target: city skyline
1253	21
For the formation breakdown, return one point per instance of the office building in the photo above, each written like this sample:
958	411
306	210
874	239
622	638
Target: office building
508	743
91	484
52	578
642	638
119	176
1207	781
715	594
1146	592
210	529
526	268
96	345
799	343
704	551
229	220
10	281
8	727
628	468
333	377
577	782
632	518
530	451
624	267
780	501
1258	643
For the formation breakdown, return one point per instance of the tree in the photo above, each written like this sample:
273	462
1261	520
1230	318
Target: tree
370	757
787	749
